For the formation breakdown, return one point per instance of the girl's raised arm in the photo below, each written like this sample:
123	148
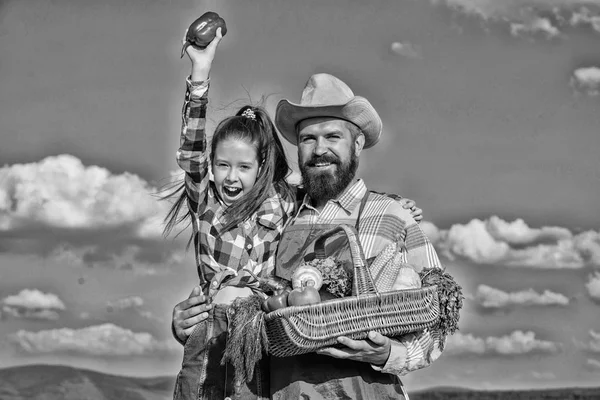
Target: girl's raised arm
192	155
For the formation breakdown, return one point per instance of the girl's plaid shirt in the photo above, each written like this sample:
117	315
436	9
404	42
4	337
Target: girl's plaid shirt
251	245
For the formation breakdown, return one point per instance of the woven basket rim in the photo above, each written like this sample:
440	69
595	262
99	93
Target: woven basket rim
291	310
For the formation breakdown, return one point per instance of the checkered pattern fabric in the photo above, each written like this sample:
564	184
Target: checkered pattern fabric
251	245
383	221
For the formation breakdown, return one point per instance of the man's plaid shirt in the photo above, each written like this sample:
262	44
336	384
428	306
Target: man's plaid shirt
251	245
384	220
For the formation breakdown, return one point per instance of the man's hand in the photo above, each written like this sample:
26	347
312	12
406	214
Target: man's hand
415	211
373	350
202	58
190	312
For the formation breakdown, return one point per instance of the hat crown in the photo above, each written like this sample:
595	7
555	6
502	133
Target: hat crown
325	89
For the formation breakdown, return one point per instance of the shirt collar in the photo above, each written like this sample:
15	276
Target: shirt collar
349	199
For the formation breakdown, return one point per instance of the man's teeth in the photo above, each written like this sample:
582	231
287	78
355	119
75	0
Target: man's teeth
322	164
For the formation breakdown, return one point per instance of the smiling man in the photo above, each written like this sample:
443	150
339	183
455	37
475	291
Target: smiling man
331	127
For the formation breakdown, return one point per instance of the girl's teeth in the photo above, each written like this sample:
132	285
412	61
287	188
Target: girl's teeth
232	191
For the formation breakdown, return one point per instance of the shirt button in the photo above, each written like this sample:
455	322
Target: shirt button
215	283
249	246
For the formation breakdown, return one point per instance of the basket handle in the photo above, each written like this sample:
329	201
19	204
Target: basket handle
363	281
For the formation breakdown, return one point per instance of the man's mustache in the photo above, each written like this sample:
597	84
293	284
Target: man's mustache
327	158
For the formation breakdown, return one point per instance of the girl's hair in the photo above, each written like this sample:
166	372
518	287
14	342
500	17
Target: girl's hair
259	132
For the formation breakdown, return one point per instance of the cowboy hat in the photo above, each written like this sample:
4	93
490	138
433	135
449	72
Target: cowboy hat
325	95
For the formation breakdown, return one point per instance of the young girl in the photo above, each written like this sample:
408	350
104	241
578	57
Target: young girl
237	219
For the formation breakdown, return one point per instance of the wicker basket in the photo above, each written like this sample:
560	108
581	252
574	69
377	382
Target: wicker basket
303	329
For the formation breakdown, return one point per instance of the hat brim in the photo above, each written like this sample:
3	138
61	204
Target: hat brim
357	111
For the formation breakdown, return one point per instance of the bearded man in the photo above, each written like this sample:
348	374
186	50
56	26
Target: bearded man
331	127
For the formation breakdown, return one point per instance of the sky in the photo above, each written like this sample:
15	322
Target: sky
491	124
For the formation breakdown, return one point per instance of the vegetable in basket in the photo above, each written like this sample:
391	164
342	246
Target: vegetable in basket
304	296
278	300
306	275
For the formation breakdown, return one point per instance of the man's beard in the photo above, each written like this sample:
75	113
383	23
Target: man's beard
325	185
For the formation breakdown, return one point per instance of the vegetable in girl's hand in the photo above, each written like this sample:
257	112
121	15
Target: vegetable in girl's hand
203	30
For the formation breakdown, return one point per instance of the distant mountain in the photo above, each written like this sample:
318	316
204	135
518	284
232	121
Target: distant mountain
50	382
457	393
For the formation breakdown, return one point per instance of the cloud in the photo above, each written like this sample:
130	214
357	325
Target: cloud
16	312
131	303
593	286
593	364
489	297
535	25
81	214
518	232
586	17
406	49
495	241
61	192
594	344
32	304
586	80
125	303
517	343
107	340
529	17
543	375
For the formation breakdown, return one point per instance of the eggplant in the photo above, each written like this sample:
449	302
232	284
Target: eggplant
203	30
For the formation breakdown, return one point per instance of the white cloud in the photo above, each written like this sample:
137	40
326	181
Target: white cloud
518	232
532	16
134	303
543	375
594	343
126	303
83	215
32	304
406	49
593	285
536	25
586	17
586	80
17	312
489	297
61	192
473	241
495	241
516	343
106	340
593	364
34	299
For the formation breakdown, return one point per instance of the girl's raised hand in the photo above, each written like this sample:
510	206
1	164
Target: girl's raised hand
202	58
